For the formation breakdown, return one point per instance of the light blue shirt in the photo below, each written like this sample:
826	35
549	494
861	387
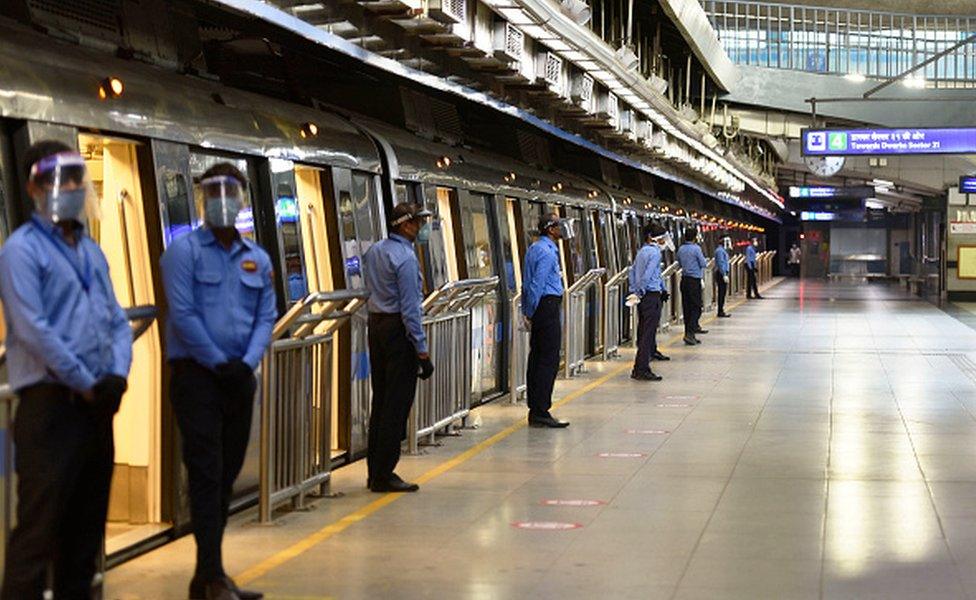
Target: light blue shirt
692	260
722	260
645	275
392	276
221	302
541	275
64	324
751	256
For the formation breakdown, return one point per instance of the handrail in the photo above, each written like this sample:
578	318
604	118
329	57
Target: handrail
519	353
586	280
613	291
670	269
351	299
622	273
457	295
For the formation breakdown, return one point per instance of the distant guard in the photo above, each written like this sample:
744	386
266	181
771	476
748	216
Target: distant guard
722	273
646	283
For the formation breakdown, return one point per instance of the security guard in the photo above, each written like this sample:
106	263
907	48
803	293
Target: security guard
752	287
722	273
69	348
222	308
693	263
646	283
542	296
397	343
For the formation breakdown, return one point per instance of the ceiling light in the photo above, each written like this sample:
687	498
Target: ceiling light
110	87
855	78
308	130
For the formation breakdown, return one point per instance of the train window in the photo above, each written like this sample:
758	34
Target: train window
477	236
604	243
200	162
367	220
178	204
506	225
445	269
405	191
289	229
577	246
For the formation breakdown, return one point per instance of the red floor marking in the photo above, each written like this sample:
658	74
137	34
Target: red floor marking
546	525
573	502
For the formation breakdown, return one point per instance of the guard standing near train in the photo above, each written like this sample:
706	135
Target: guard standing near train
222	309
542	296
646	283
693	263
722	269
752	286
69	349
397	343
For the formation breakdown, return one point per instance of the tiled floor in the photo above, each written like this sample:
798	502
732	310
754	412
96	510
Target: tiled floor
819	444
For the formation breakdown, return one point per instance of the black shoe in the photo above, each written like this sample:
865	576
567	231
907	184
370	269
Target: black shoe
700	330
760	298
658	356
215	589
393	484
697	341
243	594
690	341
649	376
724	315
547	421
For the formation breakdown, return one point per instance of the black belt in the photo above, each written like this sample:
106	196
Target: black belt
378	316
551	297
683	276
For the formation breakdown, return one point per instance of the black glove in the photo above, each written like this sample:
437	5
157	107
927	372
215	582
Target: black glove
665	296
107	394
426	368
235	375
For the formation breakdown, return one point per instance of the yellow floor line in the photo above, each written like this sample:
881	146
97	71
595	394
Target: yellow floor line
300	547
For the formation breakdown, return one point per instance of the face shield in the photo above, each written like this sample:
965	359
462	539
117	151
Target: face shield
223	200
567	229
727	242
67	193
665	240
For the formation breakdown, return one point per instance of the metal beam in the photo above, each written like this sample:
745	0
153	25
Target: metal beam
925	63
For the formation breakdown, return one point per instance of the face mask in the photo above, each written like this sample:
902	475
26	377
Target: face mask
221	212
424	234
66	205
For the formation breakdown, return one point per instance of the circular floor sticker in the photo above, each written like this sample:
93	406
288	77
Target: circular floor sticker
621	455
546	525
647	431
573	502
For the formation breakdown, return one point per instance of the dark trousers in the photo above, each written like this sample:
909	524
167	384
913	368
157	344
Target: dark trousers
722	289
544	342
215	425
648	319
752	287
64	459
691	303
393	376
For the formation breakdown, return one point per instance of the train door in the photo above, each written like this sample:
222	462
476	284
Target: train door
289	231
135	508
359	226
480	242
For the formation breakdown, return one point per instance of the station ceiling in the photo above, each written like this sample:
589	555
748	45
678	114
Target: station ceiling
918	7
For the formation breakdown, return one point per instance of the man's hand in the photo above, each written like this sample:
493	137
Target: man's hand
726	278
106	395
426	366
525	323
235	375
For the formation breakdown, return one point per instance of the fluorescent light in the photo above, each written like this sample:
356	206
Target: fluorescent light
855	78
873	203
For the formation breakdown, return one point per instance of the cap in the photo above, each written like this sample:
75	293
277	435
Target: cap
407	212
547	221
654	230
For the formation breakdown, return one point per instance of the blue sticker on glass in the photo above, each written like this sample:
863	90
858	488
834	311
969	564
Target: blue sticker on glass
361	370
353	267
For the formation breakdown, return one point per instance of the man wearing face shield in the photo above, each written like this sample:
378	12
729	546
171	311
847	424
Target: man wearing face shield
722	273
542	296
222	308
693	263
69	348
752	286
397	343
646	283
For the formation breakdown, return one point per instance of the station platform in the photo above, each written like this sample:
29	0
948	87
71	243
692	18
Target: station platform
821	443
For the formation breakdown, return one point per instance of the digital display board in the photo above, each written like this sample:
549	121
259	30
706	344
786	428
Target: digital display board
876	142
812	191
967	184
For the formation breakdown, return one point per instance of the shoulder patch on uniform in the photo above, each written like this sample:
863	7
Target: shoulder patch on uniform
249	266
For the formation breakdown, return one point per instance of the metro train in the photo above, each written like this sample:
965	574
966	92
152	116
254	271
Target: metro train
321	185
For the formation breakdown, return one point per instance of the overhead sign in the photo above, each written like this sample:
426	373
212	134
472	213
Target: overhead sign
807	191
967	185
874	142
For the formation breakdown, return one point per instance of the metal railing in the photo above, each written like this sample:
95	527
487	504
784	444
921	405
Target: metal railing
764	266
737	271
574	320
842	41
613	304
446	396
519	359
708	285
671	276
296	399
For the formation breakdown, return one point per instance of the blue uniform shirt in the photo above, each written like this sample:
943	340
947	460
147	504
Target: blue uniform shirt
64	323
392	276
645	275
221	302
722	260
692	260
541	275
751	256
